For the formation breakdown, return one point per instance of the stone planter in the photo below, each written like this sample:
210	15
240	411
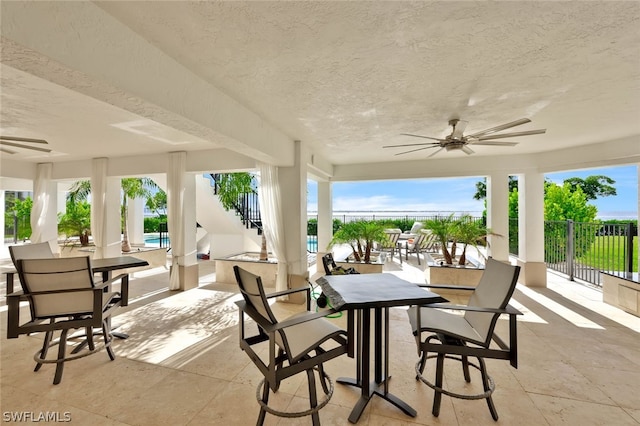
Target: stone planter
249	261
453	275
375	267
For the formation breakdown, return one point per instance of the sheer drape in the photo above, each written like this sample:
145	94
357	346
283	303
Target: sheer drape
41	203
175	216
272	222
98	204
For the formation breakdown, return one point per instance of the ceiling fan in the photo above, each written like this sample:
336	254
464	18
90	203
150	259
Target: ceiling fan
458	141
16	142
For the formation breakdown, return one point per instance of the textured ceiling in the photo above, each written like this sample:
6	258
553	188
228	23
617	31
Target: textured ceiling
350	77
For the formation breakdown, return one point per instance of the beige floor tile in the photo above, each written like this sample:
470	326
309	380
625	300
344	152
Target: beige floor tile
564	411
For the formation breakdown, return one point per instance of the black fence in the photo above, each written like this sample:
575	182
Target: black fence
584	250
579	250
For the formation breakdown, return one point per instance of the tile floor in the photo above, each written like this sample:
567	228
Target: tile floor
579	364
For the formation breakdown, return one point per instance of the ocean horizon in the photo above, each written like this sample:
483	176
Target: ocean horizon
606	215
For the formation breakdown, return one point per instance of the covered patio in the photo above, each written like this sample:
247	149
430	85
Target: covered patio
579	363
314	90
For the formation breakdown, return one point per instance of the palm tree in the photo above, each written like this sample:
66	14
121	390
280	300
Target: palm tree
360	235
471	232
131	188
443	229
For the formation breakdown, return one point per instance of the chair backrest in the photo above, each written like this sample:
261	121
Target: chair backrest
393	235
417	226
253	293
328	263
30	251
417	241
67	273
494	291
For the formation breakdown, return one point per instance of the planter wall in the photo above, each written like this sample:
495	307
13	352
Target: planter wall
266	270
452	275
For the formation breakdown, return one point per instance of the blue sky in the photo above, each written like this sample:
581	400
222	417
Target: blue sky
449	195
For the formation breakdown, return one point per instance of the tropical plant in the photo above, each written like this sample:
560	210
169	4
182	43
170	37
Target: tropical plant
443	228
76	221
131	188
469	231
22	210
361	236
231	186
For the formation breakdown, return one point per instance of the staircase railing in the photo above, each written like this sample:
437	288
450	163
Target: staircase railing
245	205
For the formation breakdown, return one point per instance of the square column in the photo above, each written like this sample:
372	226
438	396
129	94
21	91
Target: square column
325	220
533	272
105	211
181	218
44	219
498	215
293	190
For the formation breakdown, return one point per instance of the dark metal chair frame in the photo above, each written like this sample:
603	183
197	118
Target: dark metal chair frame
282	363
98	316
446	344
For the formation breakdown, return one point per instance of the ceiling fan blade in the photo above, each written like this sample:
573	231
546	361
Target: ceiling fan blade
495	143
458	129
8	151
508	135
412	144
17	145
420	136
414	150
467	150
17	139
501	127
436	152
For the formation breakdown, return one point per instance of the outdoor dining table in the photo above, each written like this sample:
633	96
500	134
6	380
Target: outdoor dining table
361	294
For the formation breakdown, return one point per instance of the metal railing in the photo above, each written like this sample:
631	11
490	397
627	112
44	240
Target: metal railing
578	250
584	250
246	206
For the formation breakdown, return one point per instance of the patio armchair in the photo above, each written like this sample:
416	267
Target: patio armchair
392	245
415	228
62	296
424	242
459	337
302	342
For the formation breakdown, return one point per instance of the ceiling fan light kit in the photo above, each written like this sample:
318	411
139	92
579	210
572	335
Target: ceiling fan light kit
457	141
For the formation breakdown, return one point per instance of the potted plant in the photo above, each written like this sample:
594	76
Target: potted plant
444	229
76	221
361	236
468	231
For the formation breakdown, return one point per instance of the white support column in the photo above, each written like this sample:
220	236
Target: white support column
135	221
293	190
44	220
105	210
325	220
181	217
498	215
533	272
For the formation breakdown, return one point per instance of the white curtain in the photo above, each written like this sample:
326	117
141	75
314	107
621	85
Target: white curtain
41	203
272	222
175	216
99	205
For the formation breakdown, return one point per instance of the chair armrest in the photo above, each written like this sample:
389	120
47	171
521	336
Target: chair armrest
124	287
269	327
290	291
285	292
508	310
449	287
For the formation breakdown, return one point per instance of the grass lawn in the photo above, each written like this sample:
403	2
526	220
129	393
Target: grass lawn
607	253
